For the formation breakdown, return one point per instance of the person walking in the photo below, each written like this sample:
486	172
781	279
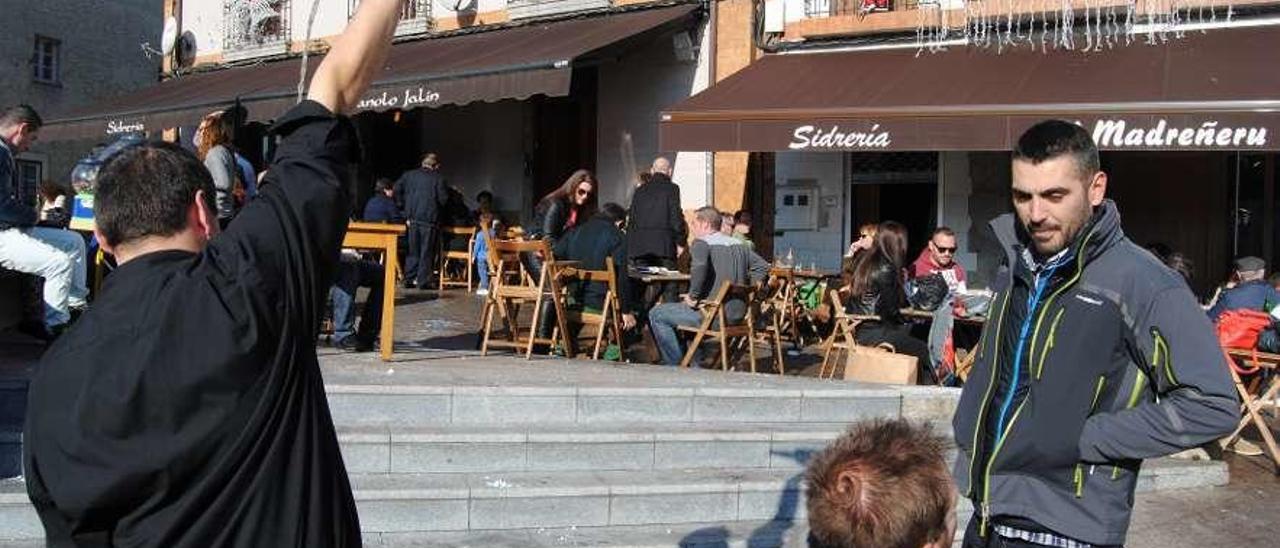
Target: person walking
1096	357
186	408
422	194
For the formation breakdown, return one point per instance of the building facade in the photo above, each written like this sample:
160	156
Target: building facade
57	55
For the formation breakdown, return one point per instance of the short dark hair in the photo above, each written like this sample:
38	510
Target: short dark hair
484	194
20	114
1055	138
884	484
742	217
709	215
145	190
943	230
431	161
613	212
383	184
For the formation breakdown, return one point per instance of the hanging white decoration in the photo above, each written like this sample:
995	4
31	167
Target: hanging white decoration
1087	26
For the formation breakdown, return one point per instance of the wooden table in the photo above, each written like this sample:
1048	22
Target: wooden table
380	237
926	315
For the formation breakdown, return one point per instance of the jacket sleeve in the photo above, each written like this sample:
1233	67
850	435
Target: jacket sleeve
757	267
675	217
1195	401
699	267
12	211
553	221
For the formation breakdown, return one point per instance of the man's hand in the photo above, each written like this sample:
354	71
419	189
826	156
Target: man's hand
690	301
628	322
679	250
356	56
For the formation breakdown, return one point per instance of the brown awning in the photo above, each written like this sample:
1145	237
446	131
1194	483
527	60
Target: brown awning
510	63
1217	90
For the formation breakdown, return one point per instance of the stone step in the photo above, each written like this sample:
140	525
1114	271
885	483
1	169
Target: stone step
744	534
590	447
415	503
426	405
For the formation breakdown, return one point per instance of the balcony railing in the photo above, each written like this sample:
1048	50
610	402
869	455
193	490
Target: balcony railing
254	27
831	8
415	16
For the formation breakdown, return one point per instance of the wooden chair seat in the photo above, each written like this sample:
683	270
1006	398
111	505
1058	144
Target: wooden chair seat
715	325
607	320
505	298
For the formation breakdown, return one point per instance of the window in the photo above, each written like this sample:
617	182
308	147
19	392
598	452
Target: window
29	175
45	60
255	27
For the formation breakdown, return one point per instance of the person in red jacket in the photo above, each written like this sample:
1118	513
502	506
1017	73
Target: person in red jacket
940	257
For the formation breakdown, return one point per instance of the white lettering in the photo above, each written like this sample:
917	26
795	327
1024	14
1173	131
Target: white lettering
420	96
385	100
1117	133
117	126
805	137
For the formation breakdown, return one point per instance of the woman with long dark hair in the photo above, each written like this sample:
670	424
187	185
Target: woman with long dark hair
876	289
563	208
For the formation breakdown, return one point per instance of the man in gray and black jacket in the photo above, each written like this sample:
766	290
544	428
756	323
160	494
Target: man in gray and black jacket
1096	357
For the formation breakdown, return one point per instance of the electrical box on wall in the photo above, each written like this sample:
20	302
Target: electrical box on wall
797	205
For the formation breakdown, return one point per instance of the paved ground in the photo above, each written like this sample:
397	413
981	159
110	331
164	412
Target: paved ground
1241	514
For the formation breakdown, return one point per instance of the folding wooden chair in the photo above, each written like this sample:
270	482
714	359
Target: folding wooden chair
1250	405
716	326
505	298
842	338
784	297
453	258
606	319
768	316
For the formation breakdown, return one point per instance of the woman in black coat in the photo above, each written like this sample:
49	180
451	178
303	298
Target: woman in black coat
877	290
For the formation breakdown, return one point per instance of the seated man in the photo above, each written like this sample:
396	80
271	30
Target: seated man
939	257
381	208
1251	293
592	243
884	484
56	255
353	273
716	258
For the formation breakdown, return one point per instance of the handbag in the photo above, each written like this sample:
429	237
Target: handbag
880	364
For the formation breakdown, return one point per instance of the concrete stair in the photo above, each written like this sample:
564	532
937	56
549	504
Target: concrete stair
500	452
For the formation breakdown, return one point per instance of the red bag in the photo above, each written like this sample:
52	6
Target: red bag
1239	329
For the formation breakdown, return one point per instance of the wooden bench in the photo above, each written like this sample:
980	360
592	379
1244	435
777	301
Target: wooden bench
1251	405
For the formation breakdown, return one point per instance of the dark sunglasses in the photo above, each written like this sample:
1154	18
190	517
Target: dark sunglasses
945	250
584	192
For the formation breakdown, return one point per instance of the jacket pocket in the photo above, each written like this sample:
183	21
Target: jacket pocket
1078	476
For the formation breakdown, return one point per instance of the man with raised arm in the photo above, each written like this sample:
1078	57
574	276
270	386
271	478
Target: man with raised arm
186	409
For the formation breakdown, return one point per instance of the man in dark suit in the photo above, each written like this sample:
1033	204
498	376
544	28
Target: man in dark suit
656	231
422	193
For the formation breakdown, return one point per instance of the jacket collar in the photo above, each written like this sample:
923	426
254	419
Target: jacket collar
1100	234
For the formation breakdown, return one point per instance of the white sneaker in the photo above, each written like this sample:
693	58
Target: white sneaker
482	292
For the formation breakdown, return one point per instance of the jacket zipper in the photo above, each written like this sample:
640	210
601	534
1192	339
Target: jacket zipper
1093	408
986	397
1134	395
986	480
1053	339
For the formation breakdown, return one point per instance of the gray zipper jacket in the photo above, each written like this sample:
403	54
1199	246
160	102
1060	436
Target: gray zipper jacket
1119	365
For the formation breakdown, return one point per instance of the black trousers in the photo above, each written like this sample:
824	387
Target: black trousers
973	540
421	262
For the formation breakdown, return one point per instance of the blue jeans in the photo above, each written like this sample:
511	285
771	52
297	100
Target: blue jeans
351	276
482	269
663	321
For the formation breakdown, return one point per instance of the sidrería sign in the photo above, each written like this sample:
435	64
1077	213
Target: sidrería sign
404	99
1115	133
835	138
116	127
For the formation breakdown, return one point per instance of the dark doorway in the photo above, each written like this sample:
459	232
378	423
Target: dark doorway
565	133
900	187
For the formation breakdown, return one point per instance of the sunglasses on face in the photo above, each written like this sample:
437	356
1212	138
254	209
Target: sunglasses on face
584	192
945	250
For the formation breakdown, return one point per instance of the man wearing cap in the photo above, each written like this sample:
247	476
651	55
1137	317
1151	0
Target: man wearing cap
1252	293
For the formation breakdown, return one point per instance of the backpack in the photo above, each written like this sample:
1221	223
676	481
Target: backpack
930	291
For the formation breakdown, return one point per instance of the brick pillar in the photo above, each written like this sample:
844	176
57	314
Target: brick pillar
734	51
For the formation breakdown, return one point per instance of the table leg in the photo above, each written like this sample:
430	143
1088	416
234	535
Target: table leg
387	343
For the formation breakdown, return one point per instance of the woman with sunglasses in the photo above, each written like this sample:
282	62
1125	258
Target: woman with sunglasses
866	237
876	289
564	208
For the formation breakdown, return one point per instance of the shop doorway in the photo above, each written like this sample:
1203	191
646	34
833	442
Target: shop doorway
564	133
899	186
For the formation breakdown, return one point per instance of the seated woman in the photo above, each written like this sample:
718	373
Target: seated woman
876	289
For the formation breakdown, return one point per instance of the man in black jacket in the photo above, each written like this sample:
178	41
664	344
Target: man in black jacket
57	256
1097	357
592	244
422	194
656	231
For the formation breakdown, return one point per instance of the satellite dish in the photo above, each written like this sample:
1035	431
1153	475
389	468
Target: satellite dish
185	49
460	5
170	37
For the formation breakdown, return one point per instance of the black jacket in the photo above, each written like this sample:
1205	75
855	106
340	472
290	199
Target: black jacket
593	243
657	224
13	213
549	220
1091	362
421	194
883	297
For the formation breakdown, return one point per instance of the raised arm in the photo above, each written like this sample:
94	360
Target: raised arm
357	55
